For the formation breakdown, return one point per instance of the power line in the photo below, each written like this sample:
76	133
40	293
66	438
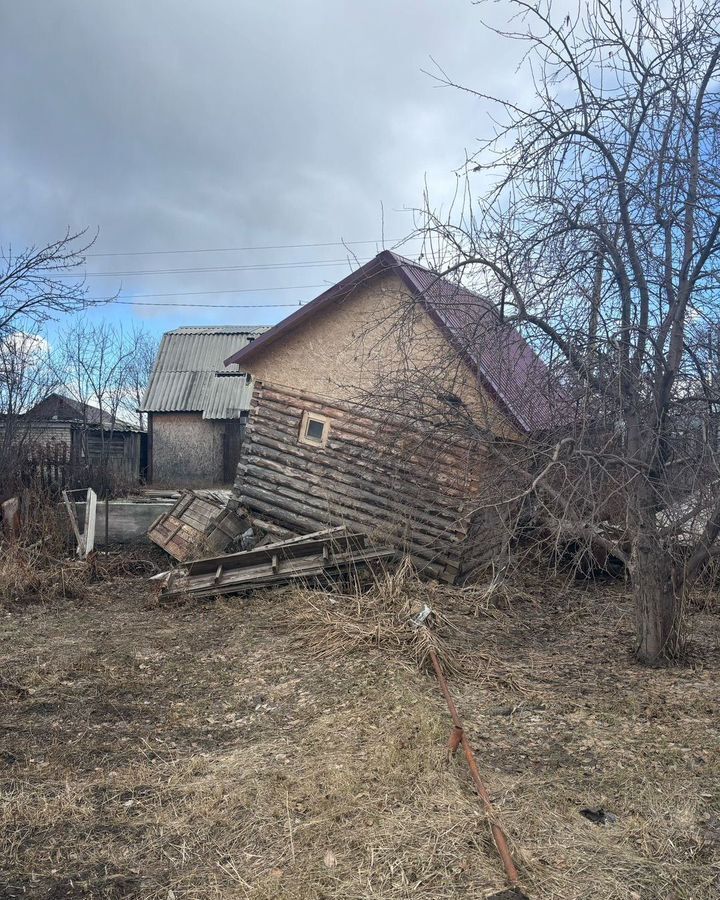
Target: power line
214	305
242	249
309	264
295	287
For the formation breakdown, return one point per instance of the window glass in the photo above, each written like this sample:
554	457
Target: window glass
314	430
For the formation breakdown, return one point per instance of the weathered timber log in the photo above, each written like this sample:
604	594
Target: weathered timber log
434	509
427	562
455	483
377	508
356	443
405	488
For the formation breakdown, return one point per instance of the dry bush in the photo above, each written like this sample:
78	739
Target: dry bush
23	581
33	567
38	563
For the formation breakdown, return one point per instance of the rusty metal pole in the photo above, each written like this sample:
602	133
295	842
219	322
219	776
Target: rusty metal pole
457	738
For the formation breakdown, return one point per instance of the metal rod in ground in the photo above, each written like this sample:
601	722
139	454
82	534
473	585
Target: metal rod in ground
458	739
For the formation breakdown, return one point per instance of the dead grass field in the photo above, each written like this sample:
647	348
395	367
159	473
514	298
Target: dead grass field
287	746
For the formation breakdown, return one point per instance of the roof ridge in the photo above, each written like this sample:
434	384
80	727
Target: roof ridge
230	329
508	368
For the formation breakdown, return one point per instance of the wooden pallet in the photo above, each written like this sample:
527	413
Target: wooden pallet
198	524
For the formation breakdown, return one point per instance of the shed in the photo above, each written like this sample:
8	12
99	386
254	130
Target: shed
356	398
196	406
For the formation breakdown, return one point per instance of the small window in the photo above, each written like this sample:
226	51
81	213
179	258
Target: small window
314	429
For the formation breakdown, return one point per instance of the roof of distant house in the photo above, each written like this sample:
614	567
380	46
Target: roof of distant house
505	364
190	375
60	408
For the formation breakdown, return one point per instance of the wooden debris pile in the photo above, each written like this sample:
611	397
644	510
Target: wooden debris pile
323	554
201	522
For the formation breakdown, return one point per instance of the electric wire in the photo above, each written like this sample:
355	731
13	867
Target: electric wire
379	241
308	264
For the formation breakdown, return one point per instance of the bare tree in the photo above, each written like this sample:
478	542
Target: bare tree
33	288
37	284
600	237
101	366
139	370
25	379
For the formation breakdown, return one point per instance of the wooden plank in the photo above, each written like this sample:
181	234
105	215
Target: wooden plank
339	538
190	528
73	520
90	518
261	575
11	516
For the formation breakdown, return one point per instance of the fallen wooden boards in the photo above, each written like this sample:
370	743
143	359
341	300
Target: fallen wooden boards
200	522
328	553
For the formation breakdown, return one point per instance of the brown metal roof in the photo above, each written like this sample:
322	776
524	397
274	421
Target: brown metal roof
505	364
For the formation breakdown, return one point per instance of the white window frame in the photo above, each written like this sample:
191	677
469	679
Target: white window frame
307	417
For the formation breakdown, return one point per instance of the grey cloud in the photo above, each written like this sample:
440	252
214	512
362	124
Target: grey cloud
173	124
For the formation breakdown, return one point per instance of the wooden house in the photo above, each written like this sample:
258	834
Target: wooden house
373	407
196	406
64	436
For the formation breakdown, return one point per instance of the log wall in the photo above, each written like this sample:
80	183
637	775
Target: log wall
405	490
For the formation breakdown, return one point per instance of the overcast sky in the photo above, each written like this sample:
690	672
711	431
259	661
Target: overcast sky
196	124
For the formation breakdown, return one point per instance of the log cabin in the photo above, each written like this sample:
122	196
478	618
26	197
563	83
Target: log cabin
373	407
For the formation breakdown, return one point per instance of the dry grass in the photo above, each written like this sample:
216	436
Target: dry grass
288	746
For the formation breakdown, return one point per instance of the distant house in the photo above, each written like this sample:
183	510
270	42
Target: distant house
75	436
196	406
356	395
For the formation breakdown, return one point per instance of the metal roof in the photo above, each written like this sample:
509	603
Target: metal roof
60	408
495	350
190	376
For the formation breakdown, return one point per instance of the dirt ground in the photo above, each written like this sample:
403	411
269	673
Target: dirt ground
225	749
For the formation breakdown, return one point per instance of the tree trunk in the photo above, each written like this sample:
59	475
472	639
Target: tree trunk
658	601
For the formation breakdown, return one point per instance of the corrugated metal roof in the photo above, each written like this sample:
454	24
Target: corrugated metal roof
185	377
228	396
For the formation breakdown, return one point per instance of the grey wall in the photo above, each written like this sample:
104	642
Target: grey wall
187	450
127	520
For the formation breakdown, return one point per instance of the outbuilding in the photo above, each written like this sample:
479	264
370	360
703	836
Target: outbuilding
196	406
377	405
63	440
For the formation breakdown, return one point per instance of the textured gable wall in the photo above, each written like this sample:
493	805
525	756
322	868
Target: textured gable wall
368	342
